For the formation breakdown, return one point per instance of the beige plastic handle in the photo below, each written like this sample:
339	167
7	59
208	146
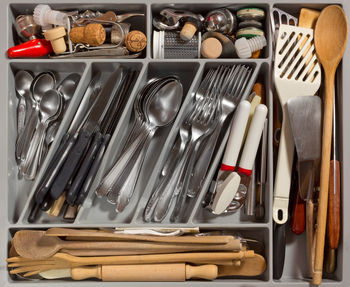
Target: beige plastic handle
146	272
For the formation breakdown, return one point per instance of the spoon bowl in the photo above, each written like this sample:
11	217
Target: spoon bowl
165	104
42	83
23	81
50	104
68	86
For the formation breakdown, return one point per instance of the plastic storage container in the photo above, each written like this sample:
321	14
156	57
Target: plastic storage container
17	193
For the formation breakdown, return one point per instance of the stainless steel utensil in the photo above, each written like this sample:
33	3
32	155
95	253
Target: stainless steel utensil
158	108
41	83
221	20
91	126
229	98
23	81
49	109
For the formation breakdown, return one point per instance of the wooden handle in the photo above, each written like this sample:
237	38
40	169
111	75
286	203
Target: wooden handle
146	272
81	273
324	180
259	90
209	272
298	216
310	242
333	220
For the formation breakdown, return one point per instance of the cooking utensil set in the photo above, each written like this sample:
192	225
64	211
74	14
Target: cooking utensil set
139	257
41	104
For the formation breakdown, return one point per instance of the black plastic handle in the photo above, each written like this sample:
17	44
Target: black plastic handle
279	249
58	160
93	170
70	164
78	181
44	206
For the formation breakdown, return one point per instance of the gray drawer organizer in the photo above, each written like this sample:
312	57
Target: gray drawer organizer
17	193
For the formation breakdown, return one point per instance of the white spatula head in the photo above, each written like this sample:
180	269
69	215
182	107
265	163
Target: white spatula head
297	71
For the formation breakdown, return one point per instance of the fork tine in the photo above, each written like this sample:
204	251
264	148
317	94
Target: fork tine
230	89
244	84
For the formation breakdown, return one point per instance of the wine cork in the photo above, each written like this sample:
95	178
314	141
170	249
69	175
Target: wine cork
56	38
135	41
92	34
188	31
256	54
211	48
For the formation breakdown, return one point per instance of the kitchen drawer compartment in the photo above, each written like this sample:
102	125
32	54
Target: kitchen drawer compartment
20	187
205	216
137	23
204	9
102	211
105	69
256	239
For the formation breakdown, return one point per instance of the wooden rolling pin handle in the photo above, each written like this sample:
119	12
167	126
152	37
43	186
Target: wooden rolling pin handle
209	272
81	273
333	221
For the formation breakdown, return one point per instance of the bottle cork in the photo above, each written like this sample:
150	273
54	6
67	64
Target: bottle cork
188	31
135	41
92	34
56	37
211	48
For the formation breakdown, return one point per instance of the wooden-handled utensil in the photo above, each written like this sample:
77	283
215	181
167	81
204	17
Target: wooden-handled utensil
331	36
333	214
101	234
63	261
33	244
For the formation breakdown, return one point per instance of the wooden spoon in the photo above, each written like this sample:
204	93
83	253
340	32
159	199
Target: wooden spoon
34	244
331	36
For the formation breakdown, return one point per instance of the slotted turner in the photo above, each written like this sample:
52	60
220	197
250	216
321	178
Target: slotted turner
296	73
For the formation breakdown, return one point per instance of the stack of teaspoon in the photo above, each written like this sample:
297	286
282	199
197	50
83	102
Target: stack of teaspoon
156	106
77	160
226	86
40	105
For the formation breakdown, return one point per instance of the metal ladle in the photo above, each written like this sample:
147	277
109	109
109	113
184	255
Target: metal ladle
49	108
23	81
42	83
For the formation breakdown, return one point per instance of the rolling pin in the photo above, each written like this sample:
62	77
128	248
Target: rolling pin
147	272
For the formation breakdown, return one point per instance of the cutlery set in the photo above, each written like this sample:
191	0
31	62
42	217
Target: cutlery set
41	106
77	160
86	140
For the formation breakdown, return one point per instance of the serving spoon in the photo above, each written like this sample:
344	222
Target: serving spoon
331	36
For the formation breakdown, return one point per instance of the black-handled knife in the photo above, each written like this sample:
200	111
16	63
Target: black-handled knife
91	126
93	171
279	249
89	157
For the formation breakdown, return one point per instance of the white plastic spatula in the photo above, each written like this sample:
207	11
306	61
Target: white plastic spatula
296	73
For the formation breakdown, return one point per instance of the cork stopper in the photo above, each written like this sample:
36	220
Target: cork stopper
135	41
92	34
188	31
211	48
56	38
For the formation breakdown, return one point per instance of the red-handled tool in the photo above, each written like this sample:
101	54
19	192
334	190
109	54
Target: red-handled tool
298	212
31	49
234	198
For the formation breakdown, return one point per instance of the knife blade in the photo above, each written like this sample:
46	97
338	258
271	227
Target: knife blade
91	126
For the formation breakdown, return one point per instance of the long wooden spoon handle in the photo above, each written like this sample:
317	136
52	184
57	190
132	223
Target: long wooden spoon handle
146	272
333	221
324	179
